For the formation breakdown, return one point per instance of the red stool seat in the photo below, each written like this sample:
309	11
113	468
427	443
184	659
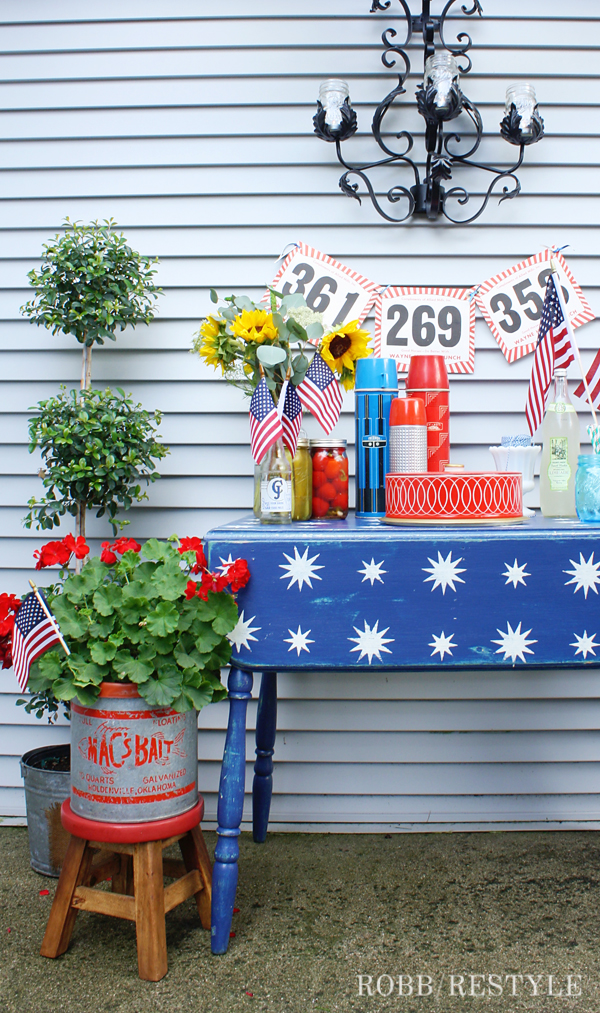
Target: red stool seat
129	833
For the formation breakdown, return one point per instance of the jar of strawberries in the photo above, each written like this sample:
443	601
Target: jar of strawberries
329	478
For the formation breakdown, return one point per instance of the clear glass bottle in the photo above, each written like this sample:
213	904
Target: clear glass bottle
276	486
560	450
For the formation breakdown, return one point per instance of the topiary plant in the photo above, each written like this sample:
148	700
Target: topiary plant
97	447
90	283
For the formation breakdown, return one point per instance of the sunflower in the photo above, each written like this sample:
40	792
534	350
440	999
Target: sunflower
211	343
254	325
211	327
342	348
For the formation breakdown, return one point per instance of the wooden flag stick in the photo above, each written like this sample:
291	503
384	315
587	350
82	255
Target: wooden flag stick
574	344
50	616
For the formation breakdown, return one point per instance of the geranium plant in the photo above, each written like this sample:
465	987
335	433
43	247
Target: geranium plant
245	339
152	615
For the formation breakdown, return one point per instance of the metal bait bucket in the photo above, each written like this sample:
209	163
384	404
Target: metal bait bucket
45	792
131	762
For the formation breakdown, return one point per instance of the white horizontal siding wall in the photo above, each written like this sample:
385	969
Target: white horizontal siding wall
192	128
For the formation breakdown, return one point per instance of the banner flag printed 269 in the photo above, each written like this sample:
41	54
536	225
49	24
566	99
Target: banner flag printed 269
330	288
512	302
415	321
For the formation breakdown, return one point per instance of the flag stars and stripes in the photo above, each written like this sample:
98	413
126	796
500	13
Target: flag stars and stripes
265	424
553	351
33	634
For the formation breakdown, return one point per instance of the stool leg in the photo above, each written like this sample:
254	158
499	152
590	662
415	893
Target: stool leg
119	880
195	856
150	910
266	730
62	917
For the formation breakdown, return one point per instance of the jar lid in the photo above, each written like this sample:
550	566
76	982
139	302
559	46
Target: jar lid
325	444
303	441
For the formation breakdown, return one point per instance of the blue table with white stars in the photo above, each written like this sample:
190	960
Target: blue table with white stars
327	595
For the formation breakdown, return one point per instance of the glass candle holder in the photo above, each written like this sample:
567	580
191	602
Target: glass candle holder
587	488
332	95
441	75
522	97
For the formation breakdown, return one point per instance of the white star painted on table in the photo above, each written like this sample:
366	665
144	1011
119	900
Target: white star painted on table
444	572
585	574
515	574
585	645
514	644
242	633
225	563
442	644
372	571
298	640
370	642
300	569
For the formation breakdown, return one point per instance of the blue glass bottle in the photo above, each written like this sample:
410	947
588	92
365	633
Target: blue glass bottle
587	488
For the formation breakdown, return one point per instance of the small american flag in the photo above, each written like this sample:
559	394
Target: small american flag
593	382
291	419
265	424
553	351
33	633
320	393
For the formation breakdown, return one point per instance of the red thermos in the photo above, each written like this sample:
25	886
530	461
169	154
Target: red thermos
428	379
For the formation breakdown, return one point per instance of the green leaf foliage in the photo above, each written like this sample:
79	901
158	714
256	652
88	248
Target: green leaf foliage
132	622
90	283
98	447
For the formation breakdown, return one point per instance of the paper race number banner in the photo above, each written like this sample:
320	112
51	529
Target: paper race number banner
512	302
330	288
412	321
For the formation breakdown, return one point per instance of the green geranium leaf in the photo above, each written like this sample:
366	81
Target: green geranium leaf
86	696
219	656
198	697
147	652
207	639
72	623
163	620
153	549
44	672
131	609
102	626
87	672
168	584
185	660
204	609
106	598
102	651
164	688
226	611
135	670
65	689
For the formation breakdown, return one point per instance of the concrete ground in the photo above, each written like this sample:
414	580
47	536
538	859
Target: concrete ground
520	912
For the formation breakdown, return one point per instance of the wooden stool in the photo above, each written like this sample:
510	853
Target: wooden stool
130	854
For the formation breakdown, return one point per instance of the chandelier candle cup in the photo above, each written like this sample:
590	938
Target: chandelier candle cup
131	762
329	479
408	435
332	95
376	388
428	379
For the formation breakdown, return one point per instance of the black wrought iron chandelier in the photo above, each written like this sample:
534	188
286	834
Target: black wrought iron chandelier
440	99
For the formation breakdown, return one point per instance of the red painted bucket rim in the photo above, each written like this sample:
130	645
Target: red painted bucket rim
118	689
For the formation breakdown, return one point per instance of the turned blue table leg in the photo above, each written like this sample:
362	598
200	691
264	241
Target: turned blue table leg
266	729
229	810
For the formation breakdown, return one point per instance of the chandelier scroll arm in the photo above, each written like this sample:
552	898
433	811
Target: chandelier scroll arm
392	160
395	194
475	116
507	194
463	38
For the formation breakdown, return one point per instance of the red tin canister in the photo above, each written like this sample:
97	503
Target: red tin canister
428	379
131	762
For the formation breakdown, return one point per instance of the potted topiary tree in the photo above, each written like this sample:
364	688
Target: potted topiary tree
96	445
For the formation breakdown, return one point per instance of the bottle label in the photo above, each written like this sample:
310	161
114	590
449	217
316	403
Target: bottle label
560	407
559	471
275	496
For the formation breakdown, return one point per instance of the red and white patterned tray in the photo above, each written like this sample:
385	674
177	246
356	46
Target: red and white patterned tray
473	496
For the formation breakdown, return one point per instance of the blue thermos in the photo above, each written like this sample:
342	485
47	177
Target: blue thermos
376	386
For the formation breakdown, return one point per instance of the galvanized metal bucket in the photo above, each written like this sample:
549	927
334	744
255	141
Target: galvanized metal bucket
131	762
45	792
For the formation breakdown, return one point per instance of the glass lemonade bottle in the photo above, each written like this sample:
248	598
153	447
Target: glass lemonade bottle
560	450
276	486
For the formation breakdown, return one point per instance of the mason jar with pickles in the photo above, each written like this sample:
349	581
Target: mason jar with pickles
329	479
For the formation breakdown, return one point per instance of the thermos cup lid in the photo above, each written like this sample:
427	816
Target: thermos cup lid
408	411
376	374
427	372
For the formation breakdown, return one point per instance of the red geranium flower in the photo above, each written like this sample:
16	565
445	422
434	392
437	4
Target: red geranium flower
190	544
122	545
238	574
78	545
50	554
106	556
191	588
